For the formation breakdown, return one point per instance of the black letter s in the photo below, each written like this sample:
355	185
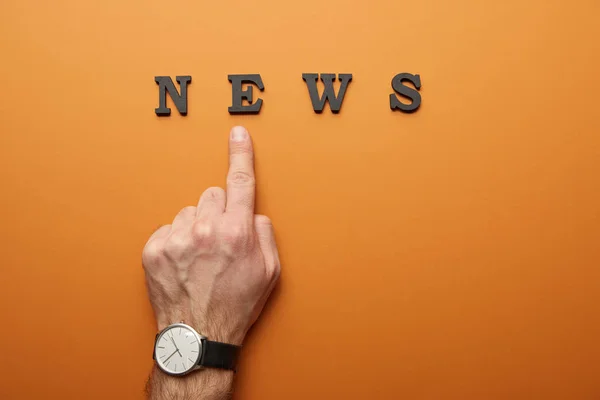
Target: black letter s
406	91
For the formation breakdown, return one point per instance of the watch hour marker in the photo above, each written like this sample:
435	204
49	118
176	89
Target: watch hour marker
193	342
175	366
161	347
167	363
179	331
190	360
163	356
194	351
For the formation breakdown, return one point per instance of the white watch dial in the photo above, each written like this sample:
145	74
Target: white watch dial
178	349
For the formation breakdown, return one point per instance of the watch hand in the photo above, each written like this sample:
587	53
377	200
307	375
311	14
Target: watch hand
176	348
171	356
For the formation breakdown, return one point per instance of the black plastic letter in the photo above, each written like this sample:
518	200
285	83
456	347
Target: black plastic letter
238	95
335	102
406	91
165	84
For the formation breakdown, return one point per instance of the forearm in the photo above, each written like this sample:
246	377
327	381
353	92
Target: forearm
208	384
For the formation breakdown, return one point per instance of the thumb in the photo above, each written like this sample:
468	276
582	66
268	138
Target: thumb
268	247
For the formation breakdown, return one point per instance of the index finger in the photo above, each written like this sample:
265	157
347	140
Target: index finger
240	178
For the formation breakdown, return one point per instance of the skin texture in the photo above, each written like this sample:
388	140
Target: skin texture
213	268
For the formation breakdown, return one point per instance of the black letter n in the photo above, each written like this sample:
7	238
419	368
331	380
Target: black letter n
165	84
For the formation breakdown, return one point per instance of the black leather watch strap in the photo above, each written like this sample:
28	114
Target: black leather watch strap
219	355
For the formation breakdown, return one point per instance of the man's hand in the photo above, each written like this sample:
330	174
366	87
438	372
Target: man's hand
216	264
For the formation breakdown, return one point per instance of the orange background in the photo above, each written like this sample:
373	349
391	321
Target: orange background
448	254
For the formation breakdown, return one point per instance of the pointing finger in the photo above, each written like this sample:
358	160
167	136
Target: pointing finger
240	179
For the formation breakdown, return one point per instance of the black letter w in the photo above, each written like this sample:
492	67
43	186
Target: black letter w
165	84
335	102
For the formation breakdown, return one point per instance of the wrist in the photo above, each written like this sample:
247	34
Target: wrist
213	332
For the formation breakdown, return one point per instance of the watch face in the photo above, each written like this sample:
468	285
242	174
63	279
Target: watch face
177	349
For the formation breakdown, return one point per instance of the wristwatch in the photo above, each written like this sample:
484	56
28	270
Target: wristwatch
179	350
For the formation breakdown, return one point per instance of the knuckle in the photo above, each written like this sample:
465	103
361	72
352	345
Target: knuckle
262	220
236	235
175	247
152	253
273	271
240	178
203	234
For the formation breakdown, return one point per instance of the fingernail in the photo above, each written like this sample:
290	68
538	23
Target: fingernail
239	134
